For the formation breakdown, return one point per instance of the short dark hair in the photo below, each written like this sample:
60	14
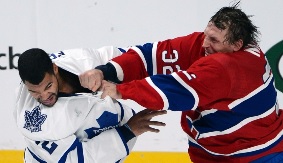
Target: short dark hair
238	23
33	64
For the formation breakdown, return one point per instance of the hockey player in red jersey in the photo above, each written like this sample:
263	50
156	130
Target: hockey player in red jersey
219	78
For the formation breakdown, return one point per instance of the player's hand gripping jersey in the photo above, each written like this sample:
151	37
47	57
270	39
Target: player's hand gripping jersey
229	103
79	128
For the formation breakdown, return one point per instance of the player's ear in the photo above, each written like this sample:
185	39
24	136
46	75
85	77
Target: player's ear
55	69
238	45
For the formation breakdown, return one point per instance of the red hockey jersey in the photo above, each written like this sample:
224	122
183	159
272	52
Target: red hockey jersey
229	102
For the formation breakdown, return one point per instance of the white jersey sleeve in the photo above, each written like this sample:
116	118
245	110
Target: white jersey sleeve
78	61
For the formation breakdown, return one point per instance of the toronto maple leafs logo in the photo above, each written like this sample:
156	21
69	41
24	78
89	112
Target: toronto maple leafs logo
34	120
106	121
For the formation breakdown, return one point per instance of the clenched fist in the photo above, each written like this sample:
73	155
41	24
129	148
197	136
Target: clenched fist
109	88
91	79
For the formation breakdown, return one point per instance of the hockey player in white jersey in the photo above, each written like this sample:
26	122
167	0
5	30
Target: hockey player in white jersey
71	126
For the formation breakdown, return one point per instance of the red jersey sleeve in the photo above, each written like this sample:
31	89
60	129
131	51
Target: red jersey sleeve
199	86
163	57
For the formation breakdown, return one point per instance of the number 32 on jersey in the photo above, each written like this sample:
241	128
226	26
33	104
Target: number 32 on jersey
168	58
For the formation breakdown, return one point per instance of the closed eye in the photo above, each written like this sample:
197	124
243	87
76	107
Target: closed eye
48	86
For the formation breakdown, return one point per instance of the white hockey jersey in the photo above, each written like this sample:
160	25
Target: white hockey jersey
78	61
79	127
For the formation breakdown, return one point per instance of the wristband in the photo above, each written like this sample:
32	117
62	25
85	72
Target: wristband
128	127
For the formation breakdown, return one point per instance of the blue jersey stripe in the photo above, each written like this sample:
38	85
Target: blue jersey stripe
35	157
179	98
122	50
275	157
253	106
243	153
262	101
258	151
80	153
75	145
122	110
147	53
123	140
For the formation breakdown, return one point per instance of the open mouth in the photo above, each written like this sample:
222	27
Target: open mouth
206	53
49	101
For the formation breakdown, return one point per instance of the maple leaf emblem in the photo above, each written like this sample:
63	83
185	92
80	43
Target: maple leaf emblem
106	121
34	120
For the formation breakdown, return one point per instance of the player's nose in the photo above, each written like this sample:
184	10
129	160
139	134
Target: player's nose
205	43
44	95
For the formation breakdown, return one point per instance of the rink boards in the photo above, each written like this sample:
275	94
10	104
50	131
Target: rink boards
16	156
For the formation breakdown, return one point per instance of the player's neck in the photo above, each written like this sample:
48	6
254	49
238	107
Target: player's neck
64	86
